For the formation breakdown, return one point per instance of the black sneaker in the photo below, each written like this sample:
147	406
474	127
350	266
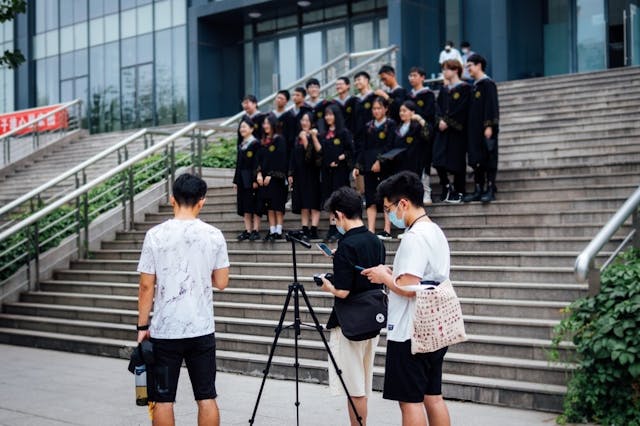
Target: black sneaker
313	233
473	197
244	236
384	235
277	236
254	236
269	237
489	195
445	193
454	198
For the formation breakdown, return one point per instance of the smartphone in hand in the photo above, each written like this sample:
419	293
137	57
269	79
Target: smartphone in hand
325	249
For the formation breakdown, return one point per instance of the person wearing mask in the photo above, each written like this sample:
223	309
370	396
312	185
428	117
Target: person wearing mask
425	101
415	381
378	139
465	48
244	181
358	248
482	145
335	147
272	177
450	145
449	52
304	178
395	94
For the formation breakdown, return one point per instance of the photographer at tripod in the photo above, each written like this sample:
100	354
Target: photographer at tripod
357	249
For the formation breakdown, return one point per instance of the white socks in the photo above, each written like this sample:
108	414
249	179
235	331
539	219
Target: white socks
278	229
272	229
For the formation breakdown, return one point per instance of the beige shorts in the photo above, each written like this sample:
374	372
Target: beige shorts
355	359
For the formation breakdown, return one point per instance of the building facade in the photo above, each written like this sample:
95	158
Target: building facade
139	63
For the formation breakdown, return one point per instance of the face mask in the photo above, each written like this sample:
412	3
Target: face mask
340	229
398	223
465	51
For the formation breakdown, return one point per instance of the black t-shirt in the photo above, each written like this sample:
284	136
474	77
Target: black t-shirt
358	247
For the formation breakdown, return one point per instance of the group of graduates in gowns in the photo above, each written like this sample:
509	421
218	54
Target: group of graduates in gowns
319	145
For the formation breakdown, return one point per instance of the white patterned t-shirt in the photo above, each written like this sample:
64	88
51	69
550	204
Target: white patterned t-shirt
183	254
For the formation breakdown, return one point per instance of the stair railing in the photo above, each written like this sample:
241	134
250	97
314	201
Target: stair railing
45	224
585	266
15	142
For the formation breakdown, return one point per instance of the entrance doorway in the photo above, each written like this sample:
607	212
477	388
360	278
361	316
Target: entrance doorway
623	33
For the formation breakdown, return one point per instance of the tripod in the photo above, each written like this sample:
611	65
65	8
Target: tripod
295	289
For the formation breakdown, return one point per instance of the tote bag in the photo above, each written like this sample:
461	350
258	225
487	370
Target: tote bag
437	319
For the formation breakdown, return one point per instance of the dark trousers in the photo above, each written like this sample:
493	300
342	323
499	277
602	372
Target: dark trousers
458	180
482	175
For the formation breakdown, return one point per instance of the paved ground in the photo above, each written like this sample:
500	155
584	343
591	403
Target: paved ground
41	387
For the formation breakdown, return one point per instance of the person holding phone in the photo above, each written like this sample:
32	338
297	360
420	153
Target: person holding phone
358	248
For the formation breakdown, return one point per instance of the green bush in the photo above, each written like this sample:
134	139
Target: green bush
221	154
605	386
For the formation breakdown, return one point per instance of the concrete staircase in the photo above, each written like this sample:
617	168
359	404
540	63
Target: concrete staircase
568	161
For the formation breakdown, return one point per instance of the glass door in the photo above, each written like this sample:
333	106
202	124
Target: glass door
591	35
633	38
266	68
137	96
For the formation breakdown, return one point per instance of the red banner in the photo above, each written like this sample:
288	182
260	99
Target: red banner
13	120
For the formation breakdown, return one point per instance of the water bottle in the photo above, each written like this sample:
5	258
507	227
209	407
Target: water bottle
140	372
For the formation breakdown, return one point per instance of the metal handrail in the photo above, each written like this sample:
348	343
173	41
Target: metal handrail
344	56
585	268
36	120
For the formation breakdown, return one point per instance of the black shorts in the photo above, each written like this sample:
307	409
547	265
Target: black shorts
407	377
371	182
198	353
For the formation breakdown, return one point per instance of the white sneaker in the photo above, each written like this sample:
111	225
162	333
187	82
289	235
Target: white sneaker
426	200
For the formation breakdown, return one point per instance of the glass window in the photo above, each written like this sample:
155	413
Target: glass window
248	32
164	90
557	37
127	4
266	56
112	87
41	13
362	36
66	39
41	82
288	61
111	28
96	93
81	62
52	76
284	22
66	90
591	35
383	32
336	42
67	67
80	10
144	95
266	26
66	12
335	12
179	14
39	46
80	91
312	51
180	74
80	35
128	51
452	21
96	8
144	48
128	18
162	15
248	68
96	33
144	19
363	6
110	7
52	43
312	16
8	30
52	15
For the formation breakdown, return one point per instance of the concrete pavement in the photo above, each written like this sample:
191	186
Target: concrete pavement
50	388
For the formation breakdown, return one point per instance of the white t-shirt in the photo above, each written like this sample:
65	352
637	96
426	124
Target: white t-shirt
183	254
452	54
424	253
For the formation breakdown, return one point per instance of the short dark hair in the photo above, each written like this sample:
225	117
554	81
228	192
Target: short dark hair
453	65
345	79
312	81
387	69
450	43
419	70
300	89
249	121
410	105
465	44
346	200
404	184
380	100
478	59
250	98
337	113
362	74
188	190
285	93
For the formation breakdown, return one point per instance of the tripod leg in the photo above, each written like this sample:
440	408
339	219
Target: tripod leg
271	352
296	326
333	360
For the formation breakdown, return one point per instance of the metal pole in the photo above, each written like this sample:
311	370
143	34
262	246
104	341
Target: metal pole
131	197
122	197
85	213
200	148
173	162
36	247
193	152
78	221
166	172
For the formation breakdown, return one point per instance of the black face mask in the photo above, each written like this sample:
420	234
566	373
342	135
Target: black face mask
448	49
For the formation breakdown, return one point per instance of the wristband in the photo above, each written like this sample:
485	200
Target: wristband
142	327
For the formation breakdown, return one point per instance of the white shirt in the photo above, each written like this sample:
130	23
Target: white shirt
452	54
183	254
424	253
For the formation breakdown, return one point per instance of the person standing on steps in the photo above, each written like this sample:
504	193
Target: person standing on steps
482	144
244	181
250	107
395	95
182	260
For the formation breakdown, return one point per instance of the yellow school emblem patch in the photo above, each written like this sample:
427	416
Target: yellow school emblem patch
367	105
336	141
255	126
420	103
382	135
409	139
456	96
319	114
478	94
249	154
272	148
348	110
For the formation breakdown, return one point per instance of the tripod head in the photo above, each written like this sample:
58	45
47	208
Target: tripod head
294	238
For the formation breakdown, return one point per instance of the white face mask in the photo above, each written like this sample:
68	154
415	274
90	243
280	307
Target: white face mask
465	51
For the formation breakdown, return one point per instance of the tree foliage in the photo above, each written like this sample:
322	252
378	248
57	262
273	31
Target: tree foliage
9	9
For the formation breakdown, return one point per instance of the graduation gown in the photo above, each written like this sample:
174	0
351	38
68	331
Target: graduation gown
363	116
334	145
416	142
348	108
449	147
377	140
425	100
286	126
483	113
272	161
396	97
245	176
305	170
317	111
257	119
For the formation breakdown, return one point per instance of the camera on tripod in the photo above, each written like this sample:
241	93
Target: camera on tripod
318	278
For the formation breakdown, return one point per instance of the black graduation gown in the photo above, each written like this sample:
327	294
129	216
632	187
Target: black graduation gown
334	145
363	116
449	147
425	100
272	161
483	113
286	126
317	112
396	97
415	142
305	170
377	140
257	119
245	176
349	112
